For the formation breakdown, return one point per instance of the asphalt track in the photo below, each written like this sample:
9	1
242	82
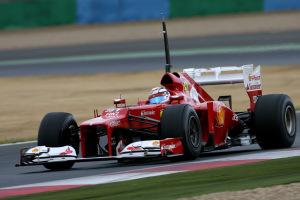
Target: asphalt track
280	48
13	176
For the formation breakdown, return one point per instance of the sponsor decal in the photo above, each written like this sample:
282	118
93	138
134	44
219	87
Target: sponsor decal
161	112
235	117
169	146
134	148
253	77
254	82
111	113
220	117
186	86
254	87
155	143
147	112
35	150
114	123
194	94
66	152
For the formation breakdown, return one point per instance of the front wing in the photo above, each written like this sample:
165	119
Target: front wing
40	155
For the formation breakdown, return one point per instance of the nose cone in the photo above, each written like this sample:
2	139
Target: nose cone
95	121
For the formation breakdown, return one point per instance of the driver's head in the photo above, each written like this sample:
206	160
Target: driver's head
159	95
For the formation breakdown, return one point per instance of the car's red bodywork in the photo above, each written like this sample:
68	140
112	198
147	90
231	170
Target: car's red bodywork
215	117
190	122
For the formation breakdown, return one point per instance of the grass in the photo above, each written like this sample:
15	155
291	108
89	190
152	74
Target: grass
188	184
25	100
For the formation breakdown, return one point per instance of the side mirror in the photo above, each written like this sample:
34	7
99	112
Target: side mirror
120	101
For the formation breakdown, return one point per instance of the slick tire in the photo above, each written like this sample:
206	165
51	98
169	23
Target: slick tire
275	121
59	129
181	121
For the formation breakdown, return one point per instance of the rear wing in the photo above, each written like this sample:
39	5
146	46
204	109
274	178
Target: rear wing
247	74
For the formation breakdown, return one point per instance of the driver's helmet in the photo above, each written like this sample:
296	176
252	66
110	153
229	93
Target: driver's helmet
159	95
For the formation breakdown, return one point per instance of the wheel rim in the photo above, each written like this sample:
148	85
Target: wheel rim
194	132
290	120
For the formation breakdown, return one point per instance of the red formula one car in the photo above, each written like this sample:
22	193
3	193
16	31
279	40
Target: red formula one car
178	120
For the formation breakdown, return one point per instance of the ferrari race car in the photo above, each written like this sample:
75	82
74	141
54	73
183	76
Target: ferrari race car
178	120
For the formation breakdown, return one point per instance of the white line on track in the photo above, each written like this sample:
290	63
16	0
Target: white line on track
95	179
17	143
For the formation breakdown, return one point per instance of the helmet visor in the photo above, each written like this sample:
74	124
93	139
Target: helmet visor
158	99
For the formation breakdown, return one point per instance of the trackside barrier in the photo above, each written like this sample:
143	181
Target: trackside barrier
35	13
93	11
275	5
180	8
144	9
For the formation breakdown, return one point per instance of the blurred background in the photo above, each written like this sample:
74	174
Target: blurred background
38	13
77	55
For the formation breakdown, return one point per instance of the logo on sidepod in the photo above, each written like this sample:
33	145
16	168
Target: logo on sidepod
147	112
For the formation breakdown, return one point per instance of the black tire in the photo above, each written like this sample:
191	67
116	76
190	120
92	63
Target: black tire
181	121
275	121
59	129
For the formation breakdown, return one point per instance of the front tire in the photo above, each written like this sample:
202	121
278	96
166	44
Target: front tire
59	129
275	121
181	121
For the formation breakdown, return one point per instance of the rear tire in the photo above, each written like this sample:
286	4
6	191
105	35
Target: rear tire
275	121
181	121
59	129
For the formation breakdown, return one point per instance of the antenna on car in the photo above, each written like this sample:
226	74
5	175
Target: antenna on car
167	50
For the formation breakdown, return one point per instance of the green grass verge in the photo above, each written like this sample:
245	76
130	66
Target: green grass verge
187	184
